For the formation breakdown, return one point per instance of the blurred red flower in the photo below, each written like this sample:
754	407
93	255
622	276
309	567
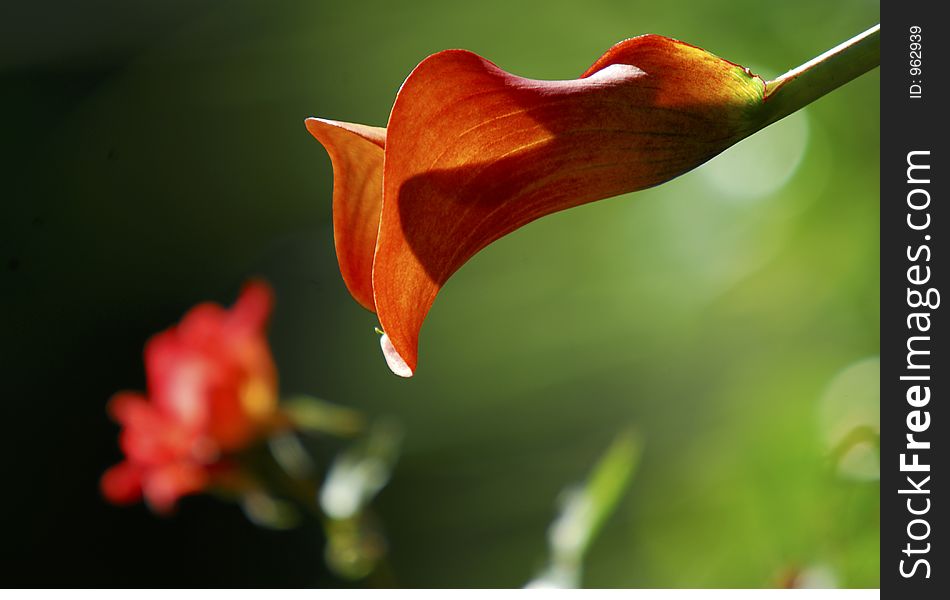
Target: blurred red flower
472	153
212	391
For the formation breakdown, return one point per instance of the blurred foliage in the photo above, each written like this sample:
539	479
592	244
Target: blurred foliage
355	543
584	510
154	155
293	480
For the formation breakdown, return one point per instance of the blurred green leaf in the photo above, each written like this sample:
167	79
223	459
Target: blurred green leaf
609	480
313	415
291	455
354	546
264	510
585	509
355	541
361	471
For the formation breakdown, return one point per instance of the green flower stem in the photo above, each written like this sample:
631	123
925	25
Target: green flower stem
803	85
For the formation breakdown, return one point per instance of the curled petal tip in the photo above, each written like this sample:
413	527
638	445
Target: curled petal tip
396	363
356	152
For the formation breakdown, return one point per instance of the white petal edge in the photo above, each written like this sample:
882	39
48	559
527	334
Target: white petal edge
395	362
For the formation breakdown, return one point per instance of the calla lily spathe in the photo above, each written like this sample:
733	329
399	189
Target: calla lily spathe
472	153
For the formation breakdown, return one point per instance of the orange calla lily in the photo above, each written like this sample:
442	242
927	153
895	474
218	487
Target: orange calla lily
472	153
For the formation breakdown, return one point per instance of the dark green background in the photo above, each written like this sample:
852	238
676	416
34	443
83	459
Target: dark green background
153	155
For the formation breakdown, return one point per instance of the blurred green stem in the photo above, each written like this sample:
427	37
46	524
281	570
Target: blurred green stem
805	84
